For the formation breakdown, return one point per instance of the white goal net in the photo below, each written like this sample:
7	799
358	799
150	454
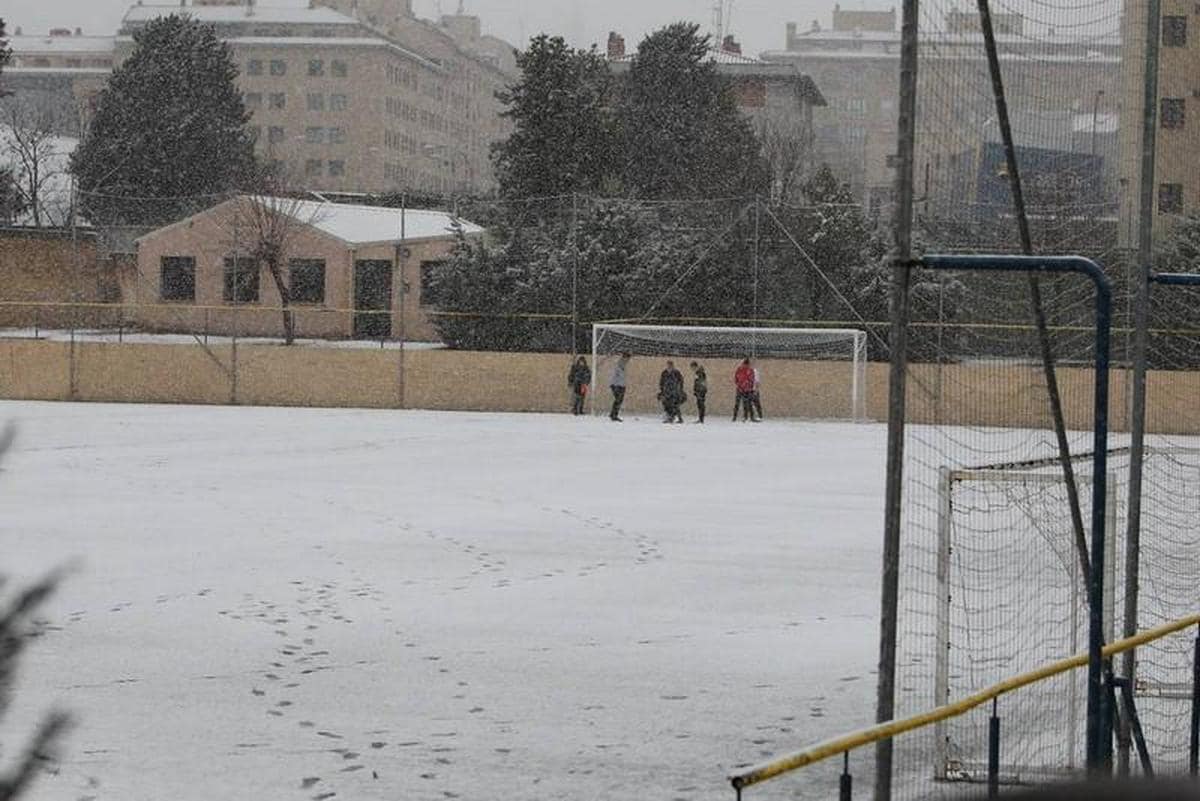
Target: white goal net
804	372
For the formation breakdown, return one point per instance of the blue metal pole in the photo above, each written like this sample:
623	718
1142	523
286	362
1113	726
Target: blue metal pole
1096	704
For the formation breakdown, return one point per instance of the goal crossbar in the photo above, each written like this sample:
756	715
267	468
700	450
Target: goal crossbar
776	343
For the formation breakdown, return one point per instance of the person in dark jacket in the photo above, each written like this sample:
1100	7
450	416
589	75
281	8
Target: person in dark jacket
699	390
670	392
579	380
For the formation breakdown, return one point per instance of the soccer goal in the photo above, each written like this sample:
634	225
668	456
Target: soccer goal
805	372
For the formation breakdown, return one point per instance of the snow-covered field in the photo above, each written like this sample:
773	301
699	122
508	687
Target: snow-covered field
285	603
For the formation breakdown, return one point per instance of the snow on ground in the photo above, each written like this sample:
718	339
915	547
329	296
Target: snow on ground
287	603
145	338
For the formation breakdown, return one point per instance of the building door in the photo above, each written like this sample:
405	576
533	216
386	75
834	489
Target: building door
372	299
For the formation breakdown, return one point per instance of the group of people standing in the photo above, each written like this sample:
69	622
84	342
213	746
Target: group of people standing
671	393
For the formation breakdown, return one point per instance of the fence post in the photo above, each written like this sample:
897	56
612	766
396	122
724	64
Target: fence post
846	782
994	752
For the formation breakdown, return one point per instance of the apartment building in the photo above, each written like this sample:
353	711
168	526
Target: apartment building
338	103
856	63
59	73
1177	140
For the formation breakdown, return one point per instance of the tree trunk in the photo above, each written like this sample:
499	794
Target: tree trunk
285	297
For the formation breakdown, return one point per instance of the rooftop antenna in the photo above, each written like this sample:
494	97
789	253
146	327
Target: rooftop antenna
722	11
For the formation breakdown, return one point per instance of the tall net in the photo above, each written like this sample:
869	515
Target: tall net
1005	595
807	373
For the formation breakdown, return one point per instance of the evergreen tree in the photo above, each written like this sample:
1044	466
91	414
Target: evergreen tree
169	125
836	237
682	135
562	132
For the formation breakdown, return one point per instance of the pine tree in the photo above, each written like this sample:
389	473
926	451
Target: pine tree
562	131
682	135
169	126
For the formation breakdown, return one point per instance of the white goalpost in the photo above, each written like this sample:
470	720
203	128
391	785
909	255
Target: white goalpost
808	372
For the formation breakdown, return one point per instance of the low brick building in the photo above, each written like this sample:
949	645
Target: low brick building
341	262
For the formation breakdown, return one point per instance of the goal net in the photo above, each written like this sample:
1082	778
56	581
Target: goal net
804	372
992	587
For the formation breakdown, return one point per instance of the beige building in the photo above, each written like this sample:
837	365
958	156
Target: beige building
346	106
59	73
342	102
1177	143
856	63
343	265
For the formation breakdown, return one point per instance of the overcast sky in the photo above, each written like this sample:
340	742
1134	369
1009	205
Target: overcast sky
759	24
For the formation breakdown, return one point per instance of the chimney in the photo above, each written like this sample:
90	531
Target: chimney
616	45
731	45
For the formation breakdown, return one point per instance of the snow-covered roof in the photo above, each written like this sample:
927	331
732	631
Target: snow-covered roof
715	54
251	14
359	225
32	45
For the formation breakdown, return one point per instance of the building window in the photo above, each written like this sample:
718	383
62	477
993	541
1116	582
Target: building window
1172	112
429	282
316	67
312	168
316	102
314	135
253	100
279	68
178	278
275	135
307	280
337	169
338	69
337	136
339	102
254	67
241	280
277	100
1174	32
1170	198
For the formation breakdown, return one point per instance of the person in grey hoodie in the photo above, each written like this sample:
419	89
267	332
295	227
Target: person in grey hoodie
617	384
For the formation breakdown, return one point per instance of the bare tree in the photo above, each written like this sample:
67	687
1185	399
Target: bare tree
268	224
787	146
17	628
38	160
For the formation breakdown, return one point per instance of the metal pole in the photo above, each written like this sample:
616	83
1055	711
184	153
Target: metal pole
574	276
994	752
846	782
885	701
401	262
1141	323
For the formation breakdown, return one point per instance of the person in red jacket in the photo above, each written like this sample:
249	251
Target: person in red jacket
743	381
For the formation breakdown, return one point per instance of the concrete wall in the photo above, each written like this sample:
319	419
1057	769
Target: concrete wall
39	266
529	382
